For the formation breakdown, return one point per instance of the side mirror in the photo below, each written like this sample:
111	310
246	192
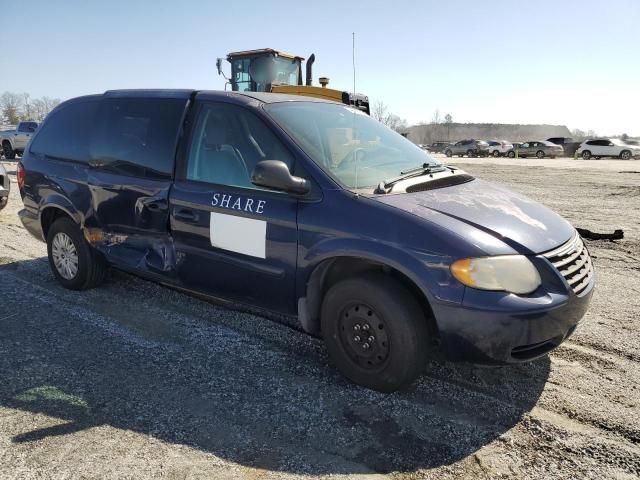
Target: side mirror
275	174
219	66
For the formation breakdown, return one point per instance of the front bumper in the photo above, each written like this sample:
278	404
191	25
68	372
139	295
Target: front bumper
501	328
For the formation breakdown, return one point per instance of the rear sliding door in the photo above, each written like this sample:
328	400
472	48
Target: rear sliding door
132	161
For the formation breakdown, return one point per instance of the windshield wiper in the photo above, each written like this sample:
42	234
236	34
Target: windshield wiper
424	169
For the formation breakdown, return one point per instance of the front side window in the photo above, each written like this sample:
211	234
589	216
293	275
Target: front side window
67	132
353	148
227	143
137	136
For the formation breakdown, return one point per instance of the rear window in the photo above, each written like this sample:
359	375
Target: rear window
27	127
67	131
137	136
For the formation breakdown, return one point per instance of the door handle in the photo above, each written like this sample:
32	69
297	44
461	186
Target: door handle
155	205
186	215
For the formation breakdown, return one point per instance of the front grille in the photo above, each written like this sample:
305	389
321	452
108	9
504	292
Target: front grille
574	263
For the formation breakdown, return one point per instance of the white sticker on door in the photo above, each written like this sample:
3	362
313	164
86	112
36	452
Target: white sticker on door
238	234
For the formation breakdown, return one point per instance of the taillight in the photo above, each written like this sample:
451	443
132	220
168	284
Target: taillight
20	175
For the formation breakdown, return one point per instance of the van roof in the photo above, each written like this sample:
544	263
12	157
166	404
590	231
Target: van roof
263	97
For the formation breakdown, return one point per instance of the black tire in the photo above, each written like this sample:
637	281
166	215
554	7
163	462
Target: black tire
471	153
397	354
540	154
9	153
496	153
511	154
448	153
586	155
91	266
625	155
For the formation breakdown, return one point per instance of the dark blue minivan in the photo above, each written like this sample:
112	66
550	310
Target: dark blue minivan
308	209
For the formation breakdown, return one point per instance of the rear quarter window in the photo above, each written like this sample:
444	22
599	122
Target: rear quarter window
137	136
66	133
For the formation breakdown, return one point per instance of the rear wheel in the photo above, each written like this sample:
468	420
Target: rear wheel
448	153
511	154
375	331
625	155
72	260
471	153
540	154
496	153
586	155
9	153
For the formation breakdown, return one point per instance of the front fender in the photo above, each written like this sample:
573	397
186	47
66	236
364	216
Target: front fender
428	271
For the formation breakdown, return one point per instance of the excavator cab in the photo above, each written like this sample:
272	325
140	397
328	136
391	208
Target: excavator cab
268	70
259	70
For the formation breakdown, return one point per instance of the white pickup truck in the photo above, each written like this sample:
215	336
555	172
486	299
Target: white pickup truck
15	141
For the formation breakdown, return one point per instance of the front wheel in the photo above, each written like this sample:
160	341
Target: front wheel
511	154
540	154
586	155
471	153
448	153
72	260
496	153
375	332
9	153
625	155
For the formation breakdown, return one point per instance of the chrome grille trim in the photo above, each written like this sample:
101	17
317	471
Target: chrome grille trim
574	257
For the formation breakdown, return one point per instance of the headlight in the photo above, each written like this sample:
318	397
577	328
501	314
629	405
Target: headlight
511	273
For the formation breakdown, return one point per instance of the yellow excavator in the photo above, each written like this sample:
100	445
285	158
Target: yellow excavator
268	70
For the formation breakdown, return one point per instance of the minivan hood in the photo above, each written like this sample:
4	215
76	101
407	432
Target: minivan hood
523	224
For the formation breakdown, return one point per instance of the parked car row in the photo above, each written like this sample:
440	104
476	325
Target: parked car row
552	148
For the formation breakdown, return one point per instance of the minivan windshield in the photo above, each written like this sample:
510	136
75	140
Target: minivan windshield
353	148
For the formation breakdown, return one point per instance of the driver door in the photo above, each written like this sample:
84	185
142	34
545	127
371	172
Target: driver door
234	240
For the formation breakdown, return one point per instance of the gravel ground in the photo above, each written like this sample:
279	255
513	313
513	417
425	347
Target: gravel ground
134	380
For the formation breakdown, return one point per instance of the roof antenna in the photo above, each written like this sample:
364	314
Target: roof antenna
353	58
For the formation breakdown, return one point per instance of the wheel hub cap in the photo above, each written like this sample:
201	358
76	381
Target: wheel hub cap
65	256
363	335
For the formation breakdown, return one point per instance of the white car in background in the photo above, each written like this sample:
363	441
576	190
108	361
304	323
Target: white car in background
499	148
607	147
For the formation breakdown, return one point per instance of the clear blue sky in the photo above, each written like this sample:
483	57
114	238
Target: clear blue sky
563	62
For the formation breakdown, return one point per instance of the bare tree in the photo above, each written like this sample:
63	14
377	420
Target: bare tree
10	104
577	133
383	115
380	111
436	117
26	107
448	120
41	107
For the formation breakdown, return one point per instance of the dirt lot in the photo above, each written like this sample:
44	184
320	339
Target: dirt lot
133	380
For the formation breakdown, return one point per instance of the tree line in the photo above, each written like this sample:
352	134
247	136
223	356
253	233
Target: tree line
17	107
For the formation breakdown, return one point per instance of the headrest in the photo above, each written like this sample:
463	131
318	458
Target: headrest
216	134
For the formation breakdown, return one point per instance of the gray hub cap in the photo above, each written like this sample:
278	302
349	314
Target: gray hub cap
65	256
